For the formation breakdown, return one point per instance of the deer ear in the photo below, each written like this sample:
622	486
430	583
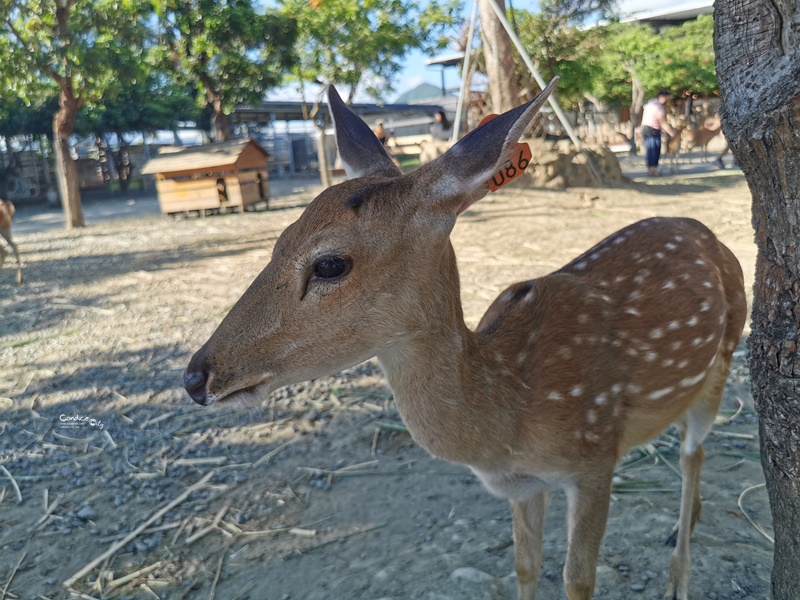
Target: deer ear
458	178
362	153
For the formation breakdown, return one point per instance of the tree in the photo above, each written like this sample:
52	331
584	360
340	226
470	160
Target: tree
757	46
86	47
357	43
229	50
500	58
153	102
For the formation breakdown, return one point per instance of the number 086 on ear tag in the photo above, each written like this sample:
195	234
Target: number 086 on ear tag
519	158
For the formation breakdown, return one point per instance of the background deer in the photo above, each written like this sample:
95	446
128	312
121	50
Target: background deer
700	137
674	148
563	373
6	214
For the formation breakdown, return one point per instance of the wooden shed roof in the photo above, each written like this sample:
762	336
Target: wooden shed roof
224	154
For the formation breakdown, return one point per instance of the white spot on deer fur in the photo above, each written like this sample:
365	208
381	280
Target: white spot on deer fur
528	297
594	256
633	388
633	311
721	319
565	352
690	381
616	343
619	278
616	411
591	437
634	295
616	388
668	363
676	345
555	396
583	318
709	338
531	338
603	283
601	399
632	352
682	364
659	255
700	262
498	357
707	284
657	333
705	306
650	356
692	321
670	246
678	238
506	296
660	393
591	416
521	358
673	325
618	240
581	265
697	341
668	285
704	236
605	298
576	391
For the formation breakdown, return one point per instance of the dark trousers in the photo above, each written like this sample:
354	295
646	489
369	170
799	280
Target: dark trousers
652	144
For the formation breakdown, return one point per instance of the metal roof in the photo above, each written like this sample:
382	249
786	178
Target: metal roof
174	158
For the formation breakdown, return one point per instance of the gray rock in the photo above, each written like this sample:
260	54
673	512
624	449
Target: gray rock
471	574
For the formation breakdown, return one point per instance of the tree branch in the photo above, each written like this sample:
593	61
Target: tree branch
46	69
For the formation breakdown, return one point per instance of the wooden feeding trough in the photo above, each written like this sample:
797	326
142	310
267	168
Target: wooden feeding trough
216	176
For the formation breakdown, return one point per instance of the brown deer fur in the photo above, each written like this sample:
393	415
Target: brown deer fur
563	374
6	214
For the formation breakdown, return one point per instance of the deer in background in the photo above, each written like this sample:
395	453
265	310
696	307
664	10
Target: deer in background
562	375
674	148
700	137
6	214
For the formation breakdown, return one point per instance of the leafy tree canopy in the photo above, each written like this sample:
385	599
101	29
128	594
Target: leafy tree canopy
228	49
354	42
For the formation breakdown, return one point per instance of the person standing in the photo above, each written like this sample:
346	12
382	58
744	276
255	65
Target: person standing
654	121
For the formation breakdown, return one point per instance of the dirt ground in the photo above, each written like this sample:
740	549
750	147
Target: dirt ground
317	493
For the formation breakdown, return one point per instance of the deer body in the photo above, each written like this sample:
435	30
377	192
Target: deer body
701	137
563	373
6	214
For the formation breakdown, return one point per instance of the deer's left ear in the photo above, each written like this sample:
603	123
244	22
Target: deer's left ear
363	155
458	178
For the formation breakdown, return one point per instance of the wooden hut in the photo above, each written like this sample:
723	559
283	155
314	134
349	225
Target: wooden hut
215	176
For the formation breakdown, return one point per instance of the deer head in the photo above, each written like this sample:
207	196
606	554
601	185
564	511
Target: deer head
360	269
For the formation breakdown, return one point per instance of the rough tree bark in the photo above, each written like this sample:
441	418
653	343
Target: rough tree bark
500	59
757	46
66	171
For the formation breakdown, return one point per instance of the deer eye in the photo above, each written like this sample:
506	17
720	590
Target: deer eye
332	267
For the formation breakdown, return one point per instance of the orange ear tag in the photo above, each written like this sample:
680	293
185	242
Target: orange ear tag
519	158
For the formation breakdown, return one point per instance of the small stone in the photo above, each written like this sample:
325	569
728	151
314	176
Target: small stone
649	575
637	587
471	574
51	581
87	513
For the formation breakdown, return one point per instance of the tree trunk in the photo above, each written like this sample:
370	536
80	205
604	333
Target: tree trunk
637	102
220	125
757	45
66	171
500	59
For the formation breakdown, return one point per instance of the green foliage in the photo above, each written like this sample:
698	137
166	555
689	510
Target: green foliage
680	59
153	102
88	46
558	48
231	52
352	42
602	61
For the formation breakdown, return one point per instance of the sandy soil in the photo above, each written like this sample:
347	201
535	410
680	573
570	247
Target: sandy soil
316	493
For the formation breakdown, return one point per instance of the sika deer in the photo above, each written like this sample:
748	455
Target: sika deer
701	137
563	374
6	214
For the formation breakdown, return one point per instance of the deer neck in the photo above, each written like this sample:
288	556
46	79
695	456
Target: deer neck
438	373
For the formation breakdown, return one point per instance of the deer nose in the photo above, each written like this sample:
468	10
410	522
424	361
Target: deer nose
194	381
